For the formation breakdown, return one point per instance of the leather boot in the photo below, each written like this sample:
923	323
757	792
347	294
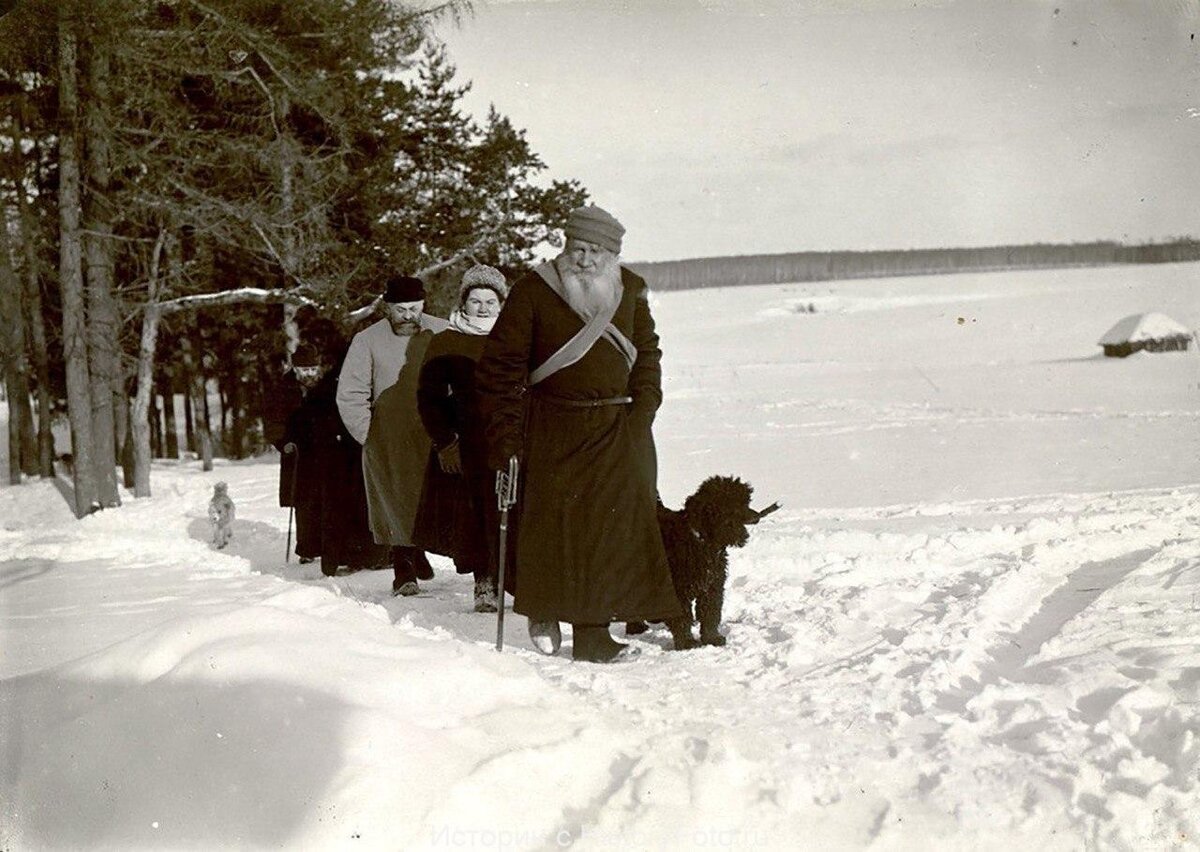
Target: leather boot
594	644
421	561
405	581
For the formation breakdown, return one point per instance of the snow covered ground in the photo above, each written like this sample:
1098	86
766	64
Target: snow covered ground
974	624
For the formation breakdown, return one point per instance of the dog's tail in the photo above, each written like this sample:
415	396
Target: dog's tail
753	516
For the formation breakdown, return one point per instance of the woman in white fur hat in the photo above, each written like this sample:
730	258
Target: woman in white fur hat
457	512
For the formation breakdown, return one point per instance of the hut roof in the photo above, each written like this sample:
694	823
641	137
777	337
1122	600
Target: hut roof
1140	327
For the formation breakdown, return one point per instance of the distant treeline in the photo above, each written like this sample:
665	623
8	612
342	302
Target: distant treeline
830	265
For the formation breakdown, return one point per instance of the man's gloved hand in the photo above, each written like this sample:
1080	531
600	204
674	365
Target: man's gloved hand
450	458
498	458
289	448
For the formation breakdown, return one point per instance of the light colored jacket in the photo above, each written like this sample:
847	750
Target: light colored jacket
372	365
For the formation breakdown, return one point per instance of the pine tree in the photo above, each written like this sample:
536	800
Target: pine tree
70	270
226	153
454	190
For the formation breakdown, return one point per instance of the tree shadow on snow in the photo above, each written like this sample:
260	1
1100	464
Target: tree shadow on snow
166	763
65	488
20	570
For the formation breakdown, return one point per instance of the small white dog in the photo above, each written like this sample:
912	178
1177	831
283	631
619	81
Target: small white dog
220	514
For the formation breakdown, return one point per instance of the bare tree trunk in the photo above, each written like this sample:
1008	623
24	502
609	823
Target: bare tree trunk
203	417
206	451
14	428
103	325
70	268
195	394
156	434
12	357
33	307
233	398
204	402
166	382
189	420
140	427
26	431
145	408
287	199
121	420
127	461
166	388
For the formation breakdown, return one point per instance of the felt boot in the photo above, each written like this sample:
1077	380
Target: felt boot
546	636
485	595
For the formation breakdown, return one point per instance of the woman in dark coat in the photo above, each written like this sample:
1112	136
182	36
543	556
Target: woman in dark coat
281	398
326	465
457	512
589	549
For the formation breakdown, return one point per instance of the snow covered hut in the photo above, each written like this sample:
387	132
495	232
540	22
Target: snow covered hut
1152	332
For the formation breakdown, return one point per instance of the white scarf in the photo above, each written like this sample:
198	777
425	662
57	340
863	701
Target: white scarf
470	325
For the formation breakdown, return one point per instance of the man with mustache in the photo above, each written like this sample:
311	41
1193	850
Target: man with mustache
377	400
569	382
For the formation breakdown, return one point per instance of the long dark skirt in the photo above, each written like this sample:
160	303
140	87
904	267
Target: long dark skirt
452	517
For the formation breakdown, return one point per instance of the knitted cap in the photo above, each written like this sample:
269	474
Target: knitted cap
306	355
595	225
482	275
404	288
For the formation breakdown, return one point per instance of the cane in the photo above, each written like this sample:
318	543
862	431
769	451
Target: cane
295	454
506	498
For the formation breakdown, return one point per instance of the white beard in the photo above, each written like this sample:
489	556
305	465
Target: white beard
592	291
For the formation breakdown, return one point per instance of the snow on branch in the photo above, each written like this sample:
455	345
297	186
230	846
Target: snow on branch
468	252
259	295
359	314
235	297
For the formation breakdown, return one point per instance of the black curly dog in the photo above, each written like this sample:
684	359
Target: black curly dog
697	539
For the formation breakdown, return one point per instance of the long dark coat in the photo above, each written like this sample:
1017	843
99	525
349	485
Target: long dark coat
589	550
457	511
281	398
330	499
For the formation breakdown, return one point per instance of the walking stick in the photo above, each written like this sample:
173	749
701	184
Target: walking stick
506	498
295	454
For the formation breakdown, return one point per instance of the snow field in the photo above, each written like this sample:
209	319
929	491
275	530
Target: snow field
974	623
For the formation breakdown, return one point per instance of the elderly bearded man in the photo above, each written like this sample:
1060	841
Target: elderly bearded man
377	399
570	381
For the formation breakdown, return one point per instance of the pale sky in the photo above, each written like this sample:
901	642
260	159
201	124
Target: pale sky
718	127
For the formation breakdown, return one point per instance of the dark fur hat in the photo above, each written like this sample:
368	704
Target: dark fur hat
306	355
404	288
